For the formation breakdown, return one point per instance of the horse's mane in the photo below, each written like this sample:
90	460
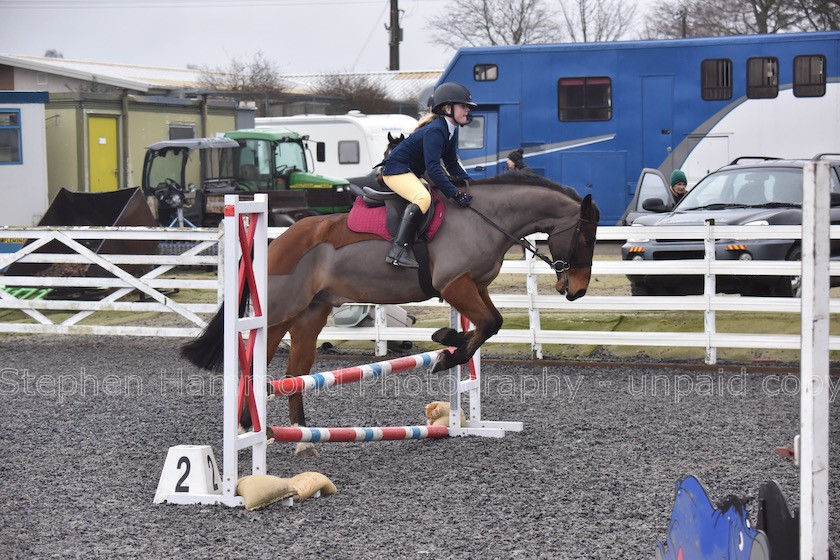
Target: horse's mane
528	178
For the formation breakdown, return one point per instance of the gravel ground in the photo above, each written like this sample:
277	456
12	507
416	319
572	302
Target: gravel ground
592	475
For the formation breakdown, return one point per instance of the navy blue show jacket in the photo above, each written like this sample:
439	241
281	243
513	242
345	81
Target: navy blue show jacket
423	151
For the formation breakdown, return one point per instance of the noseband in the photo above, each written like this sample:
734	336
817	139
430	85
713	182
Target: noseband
558	265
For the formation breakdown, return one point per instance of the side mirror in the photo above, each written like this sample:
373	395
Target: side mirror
835	199
656	205
320	151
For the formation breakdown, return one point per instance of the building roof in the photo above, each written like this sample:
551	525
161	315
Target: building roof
398	85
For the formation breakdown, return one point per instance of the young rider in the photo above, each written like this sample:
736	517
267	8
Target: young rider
434	139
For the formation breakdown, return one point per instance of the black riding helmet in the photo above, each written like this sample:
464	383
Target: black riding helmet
451	92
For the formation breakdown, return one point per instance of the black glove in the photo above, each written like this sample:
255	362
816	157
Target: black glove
463	199
459	181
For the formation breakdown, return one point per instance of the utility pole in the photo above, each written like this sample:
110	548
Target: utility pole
396	36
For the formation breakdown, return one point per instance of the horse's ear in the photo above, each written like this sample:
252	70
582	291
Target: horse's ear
390	138
588	209
402	136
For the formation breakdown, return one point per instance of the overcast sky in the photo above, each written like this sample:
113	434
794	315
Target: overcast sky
300	36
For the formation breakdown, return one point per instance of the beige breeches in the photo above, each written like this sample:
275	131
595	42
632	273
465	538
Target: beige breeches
410	188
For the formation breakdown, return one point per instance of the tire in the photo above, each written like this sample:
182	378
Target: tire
640	289
790	286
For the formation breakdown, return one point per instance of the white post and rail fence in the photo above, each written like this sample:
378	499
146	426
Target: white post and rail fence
153	303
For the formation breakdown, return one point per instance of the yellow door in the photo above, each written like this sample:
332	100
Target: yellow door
103	154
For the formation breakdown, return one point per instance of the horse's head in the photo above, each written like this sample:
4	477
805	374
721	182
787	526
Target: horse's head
393	141
575	246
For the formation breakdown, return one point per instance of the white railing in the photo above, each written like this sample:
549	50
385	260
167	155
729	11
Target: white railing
154	288
149	290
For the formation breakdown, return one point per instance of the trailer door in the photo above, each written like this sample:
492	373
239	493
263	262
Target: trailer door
600	174
657	122
478	144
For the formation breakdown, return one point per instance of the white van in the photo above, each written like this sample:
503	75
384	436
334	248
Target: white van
354	142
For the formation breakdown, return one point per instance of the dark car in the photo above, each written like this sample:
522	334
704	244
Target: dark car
767	192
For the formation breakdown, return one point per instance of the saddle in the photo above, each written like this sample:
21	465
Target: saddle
374	204
378	197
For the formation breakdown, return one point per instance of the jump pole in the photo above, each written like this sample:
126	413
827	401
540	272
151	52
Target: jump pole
458	388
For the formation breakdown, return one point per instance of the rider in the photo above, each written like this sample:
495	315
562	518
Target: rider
434	139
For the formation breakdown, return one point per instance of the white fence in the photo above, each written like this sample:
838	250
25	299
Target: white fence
147	296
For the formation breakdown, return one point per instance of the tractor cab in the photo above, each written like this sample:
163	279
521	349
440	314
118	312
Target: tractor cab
178	174
185	182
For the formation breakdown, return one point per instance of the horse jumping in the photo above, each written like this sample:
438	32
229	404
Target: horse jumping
319	263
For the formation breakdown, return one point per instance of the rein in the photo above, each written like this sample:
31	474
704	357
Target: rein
558	265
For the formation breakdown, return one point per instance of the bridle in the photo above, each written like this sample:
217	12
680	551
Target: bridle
558	265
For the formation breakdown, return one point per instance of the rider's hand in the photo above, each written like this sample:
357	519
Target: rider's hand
459	181
463	199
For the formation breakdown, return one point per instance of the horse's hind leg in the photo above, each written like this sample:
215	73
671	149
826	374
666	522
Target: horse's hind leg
304	331
474	303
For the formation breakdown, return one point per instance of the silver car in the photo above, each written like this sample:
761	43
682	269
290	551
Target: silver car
766	192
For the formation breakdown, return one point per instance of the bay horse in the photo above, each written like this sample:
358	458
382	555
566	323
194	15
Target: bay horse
318	263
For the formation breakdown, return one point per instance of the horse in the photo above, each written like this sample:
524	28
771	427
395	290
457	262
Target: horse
393	141
318	263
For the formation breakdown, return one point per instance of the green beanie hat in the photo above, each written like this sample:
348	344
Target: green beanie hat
678	177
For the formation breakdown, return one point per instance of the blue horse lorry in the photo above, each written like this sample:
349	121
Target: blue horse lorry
593	115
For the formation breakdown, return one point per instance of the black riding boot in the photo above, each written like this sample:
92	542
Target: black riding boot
400	253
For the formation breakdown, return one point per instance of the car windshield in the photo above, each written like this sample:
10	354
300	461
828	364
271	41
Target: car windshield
748	187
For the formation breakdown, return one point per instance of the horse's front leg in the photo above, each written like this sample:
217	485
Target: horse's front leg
473	303
304	332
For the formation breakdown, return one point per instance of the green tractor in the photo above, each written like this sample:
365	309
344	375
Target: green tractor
275	159
185	181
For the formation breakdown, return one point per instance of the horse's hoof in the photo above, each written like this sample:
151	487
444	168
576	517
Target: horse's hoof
447	337
442	361
306	449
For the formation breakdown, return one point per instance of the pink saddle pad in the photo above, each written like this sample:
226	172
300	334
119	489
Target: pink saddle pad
363	219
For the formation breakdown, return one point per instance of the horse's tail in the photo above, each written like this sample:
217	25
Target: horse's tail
207	351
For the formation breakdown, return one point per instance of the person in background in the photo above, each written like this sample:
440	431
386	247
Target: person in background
516	161
433	141
678	184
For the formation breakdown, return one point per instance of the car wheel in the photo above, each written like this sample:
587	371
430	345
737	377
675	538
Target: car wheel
791	286
639	289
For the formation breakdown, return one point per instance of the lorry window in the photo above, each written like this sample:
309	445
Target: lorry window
290	154
763	77
716	79
348	151
485	72
471	136
584	99
809	75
